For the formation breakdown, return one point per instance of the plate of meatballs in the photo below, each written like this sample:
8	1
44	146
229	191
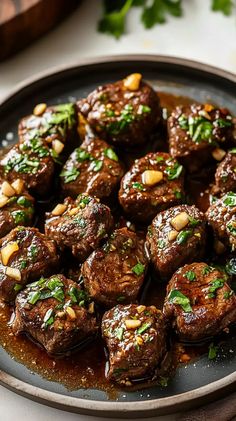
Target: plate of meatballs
118	236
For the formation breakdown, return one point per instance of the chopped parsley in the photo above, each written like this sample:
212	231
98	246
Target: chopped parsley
23	264
207	269
230	199
22	163
228	294
161	244
143	328
33	252
159	159
183	236
178	194
212	351
138	186
214	285
176	297
123	121
190	275
17	287
231	227
199	128
96	165
63	115
138	269
20	216
144	109
193	222
23	201
33	297
70	175
48	318
174	171
119	332
82	155
110	153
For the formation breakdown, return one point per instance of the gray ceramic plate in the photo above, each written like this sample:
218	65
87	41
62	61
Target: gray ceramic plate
199	382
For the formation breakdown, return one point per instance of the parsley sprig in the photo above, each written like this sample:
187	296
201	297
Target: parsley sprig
153	12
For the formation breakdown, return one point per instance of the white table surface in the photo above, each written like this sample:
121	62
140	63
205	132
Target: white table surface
201	35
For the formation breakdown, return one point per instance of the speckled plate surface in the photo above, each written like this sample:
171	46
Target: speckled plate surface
198	382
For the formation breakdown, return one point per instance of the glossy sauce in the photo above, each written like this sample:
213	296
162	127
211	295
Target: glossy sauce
86	367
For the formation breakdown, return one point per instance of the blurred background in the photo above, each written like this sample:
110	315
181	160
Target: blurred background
199	33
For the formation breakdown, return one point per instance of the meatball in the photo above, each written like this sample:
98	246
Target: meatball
16	206
175	237
79	225
199	302
115	273
54	312
154	183
136	341
124	112
195	131
33	163
221	216
93	168
25	255
225	176
55	124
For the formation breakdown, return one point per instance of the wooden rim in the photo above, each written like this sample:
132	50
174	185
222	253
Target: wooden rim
166	405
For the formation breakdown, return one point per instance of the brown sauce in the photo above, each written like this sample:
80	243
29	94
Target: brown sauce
86	367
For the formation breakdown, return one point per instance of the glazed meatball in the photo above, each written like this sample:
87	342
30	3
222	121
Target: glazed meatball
79	225
55	124
25	255
195	131
32	162
154	183
221	216
199	302
93	168
115	273
225	176
54	311
16	206
136	341
176	236
124	112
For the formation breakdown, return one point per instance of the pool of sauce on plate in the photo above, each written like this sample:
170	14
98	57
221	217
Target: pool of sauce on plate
86	367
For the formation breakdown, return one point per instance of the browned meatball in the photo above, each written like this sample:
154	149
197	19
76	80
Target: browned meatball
55	124
225	176
16	206
115	273
195	131
93	168
122	112
176	236
33	163
199	302
25	255
79	225
136	341
221	216
54	312
154	183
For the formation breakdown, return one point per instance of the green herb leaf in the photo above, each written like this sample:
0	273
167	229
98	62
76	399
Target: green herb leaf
110	153
183	236
114	23
159	159
161	244
20	216
70	175
190	275
158	10
53	283
212	352
17	287
224	6
23	264
174	171
82	155
33	252
63	115
96	165
231	227
229	199
119	332
33	297
143	328
228	294
138	269
176	297
214	285
207	269
23	201
48	318
138	186
193	222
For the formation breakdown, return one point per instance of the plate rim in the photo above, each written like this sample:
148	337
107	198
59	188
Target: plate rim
158	406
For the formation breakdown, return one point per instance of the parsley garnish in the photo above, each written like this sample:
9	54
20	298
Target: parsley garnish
70	175
183	236
190	275
110	153
119	332
143	328
230	199
138	186
174	171
231	226
224	6
176	297
138	269
96	165
212	352
48	318
82	154
214	285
